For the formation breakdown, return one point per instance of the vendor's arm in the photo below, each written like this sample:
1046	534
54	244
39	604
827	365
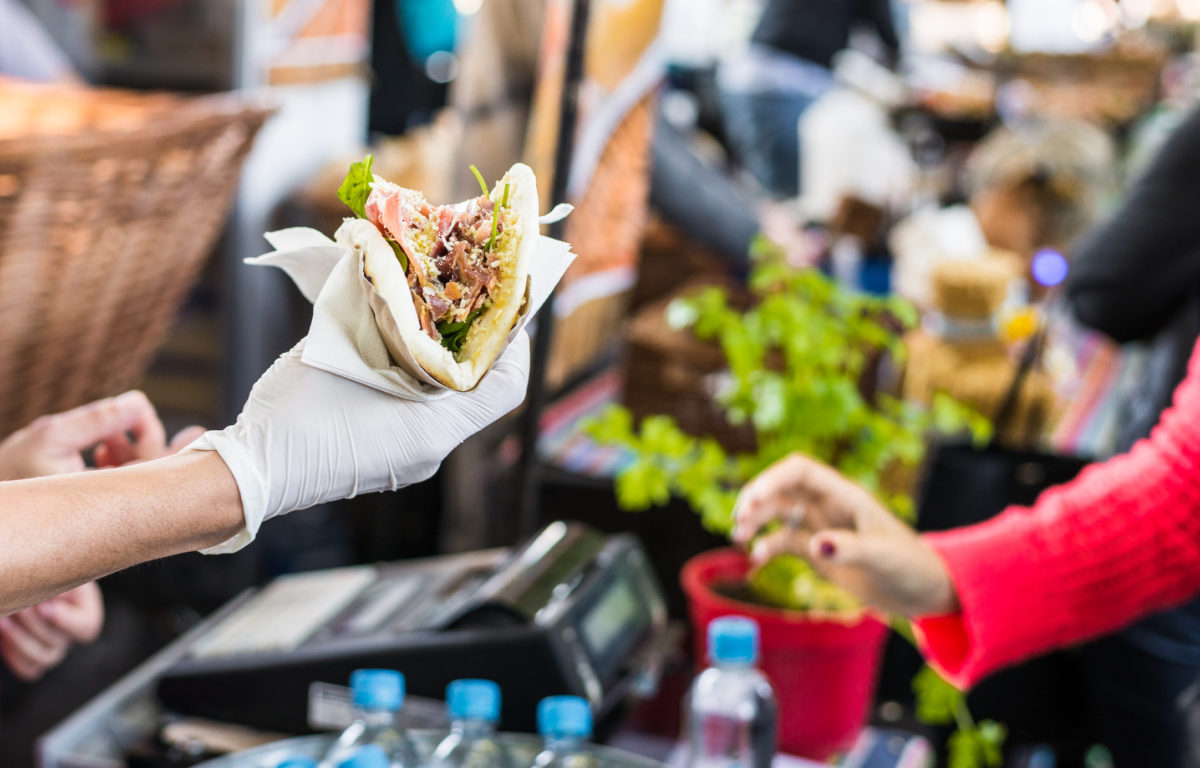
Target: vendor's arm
63	531
1129	275
1120	541
304	437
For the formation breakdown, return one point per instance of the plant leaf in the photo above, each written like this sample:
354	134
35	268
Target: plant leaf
937	700
642	485
356	187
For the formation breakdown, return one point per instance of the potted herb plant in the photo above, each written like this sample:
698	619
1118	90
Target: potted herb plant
799	361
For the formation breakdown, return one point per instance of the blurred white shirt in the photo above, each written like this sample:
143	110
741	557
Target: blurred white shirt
26	49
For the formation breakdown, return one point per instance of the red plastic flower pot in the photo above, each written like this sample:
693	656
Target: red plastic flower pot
823	670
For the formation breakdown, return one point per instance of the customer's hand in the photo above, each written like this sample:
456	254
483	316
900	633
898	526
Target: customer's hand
306	436
37	638
122	429
846	534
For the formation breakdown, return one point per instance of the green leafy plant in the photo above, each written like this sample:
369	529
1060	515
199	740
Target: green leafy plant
798	361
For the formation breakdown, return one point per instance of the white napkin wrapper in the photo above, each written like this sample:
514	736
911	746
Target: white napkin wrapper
344	338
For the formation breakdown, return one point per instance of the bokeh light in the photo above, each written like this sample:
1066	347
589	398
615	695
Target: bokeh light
1049	267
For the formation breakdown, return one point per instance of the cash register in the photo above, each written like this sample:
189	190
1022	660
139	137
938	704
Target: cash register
571	611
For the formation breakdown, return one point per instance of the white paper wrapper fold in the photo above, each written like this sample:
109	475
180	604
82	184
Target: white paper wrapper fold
344	337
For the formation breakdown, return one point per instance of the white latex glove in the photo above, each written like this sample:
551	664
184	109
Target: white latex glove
306	437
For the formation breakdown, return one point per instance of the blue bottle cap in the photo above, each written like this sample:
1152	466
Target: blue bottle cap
564	716
298	762
377	689
370	756
733	640
473	700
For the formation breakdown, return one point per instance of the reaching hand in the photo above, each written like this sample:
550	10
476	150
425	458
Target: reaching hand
36	639
122	429
846	534
306	436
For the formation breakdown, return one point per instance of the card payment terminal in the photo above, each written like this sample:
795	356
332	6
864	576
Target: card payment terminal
571	611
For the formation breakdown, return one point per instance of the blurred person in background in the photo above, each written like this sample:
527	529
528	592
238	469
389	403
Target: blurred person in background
113	432
1136	279
787	65
116	431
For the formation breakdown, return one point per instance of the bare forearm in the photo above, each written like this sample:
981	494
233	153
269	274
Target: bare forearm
60	532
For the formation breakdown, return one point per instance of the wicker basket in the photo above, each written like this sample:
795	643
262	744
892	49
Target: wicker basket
671	372
668	255
110	203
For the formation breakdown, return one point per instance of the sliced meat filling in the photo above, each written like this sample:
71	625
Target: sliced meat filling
451	274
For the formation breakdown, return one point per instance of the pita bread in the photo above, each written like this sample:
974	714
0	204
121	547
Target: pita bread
392	299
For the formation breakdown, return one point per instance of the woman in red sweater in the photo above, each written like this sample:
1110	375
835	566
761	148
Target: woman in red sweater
1120	541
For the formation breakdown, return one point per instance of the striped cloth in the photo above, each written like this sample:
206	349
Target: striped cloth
562	442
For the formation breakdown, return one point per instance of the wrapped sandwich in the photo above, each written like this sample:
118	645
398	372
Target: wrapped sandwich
450	281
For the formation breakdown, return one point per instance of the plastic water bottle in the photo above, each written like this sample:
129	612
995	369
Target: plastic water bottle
565	724
731	707
297	762
369	756
474	708
377	695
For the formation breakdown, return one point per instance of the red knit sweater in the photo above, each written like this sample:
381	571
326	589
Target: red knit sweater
1120	541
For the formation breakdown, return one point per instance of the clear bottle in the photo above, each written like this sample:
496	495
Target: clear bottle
368	756
731	710
377	695
297	762
565	724
474	709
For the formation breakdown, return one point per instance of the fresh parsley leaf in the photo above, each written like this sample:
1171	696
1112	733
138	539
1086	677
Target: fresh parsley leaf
937	700
980	747
454	334
642	485
357	186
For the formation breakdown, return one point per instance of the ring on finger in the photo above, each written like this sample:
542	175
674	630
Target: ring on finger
794	518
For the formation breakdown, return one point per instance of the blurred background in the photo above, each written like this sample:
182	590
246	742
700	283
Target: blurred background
952	153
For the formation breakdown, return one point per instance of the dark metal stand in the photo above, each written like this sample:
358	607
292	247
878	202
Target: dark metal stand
535	402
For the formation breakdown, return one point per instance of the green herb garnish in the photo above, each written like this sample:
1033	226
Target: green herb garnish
455	333
496	221
479	178
399	253
357	186
355	190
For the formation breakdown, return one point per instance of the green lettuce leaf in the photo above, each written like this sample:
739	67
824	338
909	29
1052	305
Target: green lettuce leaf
357	186
454	334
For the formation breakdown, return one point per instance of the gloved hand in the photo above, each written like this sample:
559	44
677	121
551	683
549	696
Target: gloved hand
306	436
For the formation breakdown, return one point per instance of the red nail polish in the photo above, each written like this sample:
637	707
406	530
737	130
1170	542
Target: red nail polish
827	549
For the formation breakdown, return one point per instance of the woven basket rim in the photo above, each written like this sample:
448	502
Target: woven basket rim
190	112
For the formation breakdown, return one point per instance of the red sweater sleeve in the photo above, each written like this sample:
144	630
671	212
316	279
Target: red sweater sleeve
1119	541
